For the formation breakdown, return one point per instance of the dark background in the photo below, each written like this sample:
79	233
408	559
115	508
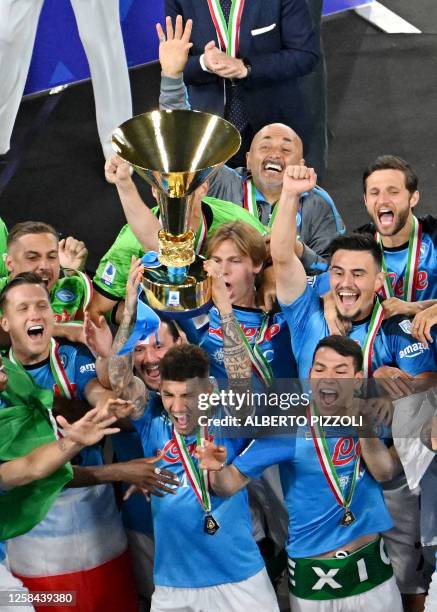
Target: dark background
382	99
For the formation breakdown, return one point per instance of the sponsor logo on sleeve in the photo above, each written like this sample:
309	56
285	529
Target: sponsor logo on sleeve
108	274
405	325
88	367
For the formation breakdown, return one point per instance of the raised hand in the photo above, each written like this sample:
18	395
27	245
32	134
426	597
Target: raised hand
117	408
133	282
98	338
220	295
90	429
211	456
118	172
174	46
298	179
72	254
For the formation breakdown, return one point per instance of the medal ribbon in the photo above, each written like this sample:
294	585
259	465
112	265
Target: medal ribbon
412	267
260	364
198	478
228	33
327	465
374	325
88	289
200	234
56	368
249	203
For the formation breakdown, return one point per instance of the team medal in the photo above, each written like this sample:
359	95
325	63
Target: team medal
329	471
210	525
348	518
198	479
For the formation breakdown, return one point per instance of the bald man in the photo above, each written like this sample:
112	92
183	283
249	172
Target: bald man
258	186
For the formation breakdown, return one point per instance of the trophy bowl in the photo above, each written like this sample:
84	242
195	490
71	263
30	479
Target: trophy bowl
175	152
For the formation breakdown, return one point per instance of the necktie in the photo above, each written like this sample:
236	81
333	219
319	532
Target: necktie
234	109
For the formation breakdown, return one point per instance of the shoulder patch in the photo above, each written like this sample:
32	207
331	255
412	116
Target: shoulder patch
109	273
65	295
405	325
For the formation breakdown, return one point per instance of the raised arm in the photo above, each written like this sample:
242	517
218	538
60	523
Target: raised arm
236	357
46	459
141	220
174	46
120	367
289	272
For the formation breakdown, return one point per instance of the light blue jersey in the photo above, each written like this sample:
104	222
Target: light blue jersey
314	514
394	345
79	365
185	556
276	346
396	262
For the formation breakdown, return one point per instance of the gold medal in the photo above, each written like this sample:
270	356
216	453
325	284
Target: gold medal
210	525
348	518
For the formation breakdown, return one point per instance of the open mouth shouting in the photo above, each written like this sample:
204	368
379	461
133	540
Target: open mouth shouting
152	370
35	333
181	421
385	217
328	396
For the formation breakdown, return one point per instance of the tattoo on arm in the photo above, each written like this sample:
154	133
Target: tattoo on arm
236	356
120	369
62	445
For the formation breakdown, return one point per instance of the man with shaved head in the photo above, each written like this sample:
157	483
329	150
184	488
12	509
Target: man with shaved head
258	186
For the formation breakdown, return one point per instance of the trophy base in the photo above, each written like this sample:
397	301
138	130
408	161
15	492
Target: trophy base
188	298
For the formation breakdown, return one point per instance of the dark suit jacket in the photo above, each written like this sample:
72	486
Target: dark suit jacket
279	55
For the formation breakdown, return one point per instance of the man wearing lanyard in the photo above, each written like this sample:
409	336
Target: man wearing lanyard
409	244
69	371
390	353
257	187
98	22
33	246
39	463
246	60
141	233
355	278
205	555
336	557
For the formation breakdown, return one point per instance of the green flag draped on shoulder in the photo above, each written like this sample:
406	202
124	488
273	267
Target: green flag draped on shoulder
25	425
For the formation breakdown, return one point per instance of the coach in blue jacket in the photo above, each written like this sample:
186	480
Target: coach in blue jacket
271	43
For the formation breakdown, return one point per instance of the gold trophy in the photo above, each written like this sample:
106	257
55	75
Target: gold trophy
176	151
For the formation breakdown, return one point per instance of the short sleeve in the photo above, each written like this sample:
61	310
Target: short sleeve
262	453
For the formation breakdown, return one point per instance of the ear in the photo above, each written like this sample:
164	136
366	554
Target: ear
4	323
414	199
257	269
9	264
301	162
379	281
248	160
359	380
